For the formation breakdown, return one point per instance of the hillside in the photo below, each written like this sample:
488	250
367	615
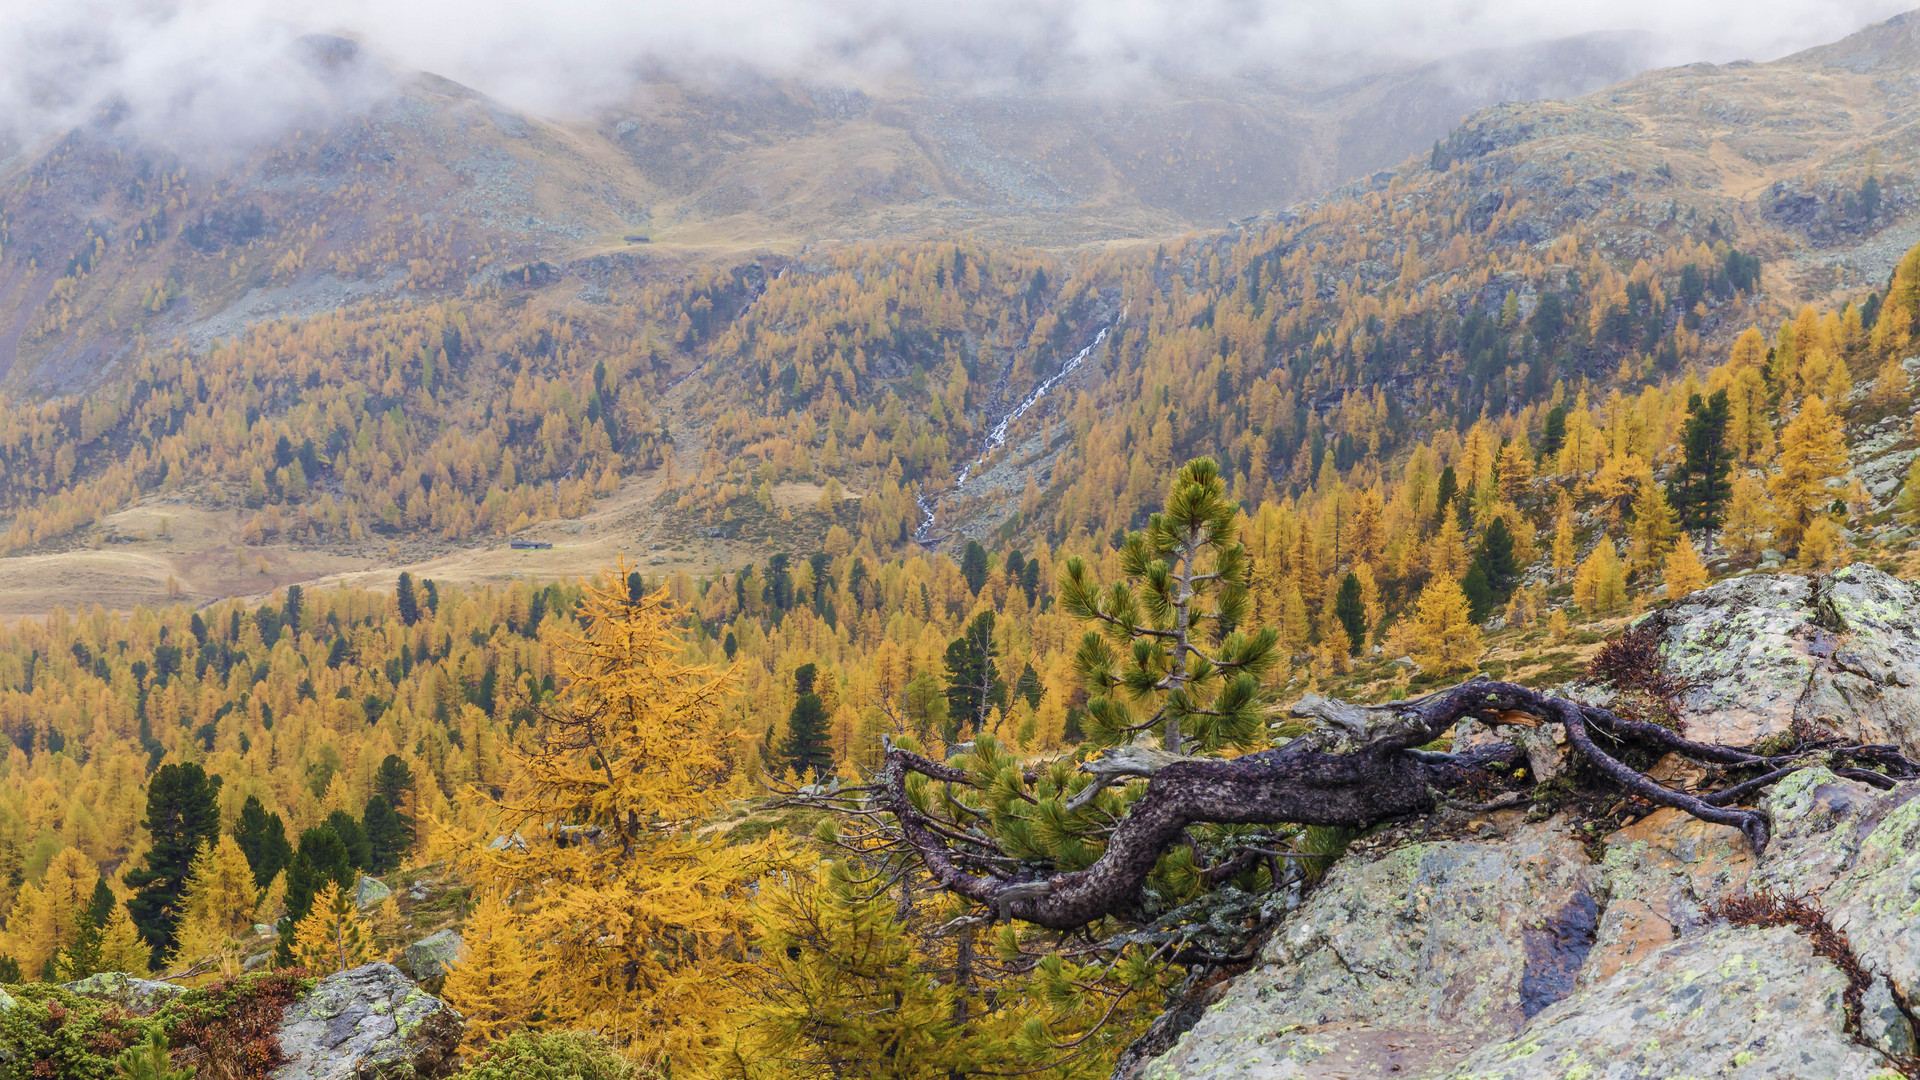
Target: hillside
459	241
110	237
775	581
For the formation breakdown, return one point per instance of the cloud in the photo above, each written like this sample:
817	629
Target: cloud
236	67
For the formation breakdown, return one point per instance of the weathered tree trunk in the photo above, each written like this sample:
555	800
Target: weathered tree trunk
1359	767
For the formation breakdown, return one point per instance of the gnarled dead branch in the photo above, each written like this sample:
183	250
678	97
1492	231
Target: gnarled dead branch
1359	766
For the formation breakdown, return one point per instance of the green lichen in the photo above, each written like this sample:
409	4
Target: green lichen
1793	795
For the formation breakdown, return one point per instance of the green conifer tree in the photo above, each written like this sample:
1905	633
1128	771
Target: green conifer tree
974	686
263	839
1350	608
183	813
353	838
808	746
1701	486
405	599
973	566
1150	662
386	837
1493	557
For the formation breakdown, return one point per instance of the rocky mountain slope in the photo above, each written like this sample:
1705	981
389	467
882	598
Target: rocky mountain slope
655	232
107	238
1527	947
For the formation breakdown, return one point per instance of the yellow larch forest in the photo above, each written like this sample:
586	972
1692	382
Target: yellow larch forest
590	754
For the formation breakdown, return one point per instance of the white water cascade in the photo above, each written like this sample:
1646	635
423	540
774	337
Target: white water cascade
997	437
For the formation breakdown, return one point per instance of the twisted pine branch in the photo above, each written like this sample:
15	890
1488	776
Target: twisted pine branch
1359	767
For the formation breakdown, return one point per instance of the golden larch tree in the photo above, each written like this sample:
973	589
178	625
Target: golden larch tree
1684	572
1600	585
638	922
121	946
1906	507
1447	557
1749	522
1813	451
46	918
1564	549
492	981
333	937
1654	525
1824	547
219	903
1444	639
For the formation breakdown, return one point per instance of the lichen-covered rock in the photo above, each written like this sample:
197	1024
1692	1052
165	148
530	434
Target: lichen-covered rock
1841	650
1741	1002
1884	1024
6	1000
1518	958
1868	690
370	891
433	955
365	1022
139	995
1858	851
1406	961
1744	645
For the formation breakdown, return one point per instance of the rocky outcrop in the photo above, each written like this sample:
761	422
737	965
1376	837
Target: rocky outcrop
128	991
370	892
432	956
1407	960
1841	651
1521	953
365	1022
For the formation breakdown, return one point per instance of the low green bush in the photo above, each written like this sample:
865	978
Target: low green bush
550	1055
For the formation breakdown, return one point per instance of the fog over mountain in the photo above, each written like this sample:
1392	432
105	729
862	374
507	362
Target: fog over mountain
229	67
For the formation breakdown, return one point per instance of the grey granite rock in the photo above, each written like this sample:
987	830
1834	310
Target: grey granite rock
1739	1002
431	956
365	1022
1407	961
1743	643
1841	651
1883	1024
140	995
370	892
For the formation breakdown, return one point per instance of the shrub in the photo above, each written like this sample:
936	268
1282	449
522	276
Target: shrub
57	1035
226	1030
550	1055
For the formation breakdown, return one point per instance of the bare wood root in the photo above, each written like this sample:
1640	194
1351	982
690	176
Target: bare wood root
1358	767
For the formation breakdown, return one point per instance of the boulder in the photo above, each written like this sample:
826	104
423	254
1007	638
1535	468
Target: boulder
1729	1001
365	1022
135	994
1841	651
1407	961
1518	958
1744	644
6	1000
431	956
370	892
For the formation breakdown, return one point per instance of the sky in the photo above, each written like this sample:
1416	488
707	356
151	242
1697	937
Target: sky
223	66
